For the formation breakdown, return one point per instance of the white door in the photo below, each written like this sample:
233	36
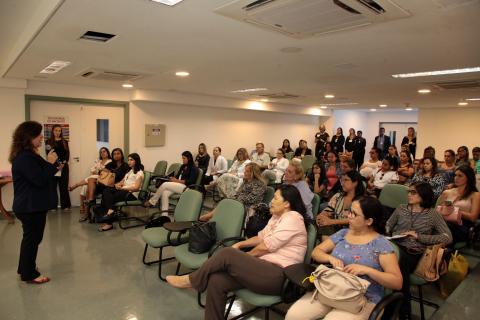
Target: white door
82	120
397	130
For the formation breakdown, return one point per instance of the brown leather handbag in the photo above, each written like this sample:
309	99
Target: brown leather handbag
432	265
106	178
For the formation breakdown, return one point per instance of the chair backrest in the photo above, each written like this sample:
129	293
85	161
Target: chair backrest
229	163
315	204
393	195
174	167
307	162
311	240
160	168
289	155
198	181
268	196
146	180
229	217
189	206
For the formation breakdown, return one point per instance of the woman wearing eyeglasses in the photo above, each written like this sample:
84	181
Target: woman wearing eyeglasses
421	226
385	175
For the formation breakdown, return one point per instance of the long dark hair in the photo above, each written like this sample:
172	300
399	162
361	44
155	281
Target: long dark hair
373	209
360	188
434	165
292	196
138	163
51	140
22	138
100	153
188	155
470	187
425	192
323	175
121	152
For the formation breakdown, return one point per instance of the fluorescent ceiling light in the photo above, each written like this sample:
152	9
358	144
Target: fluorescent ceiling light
264	100
249	90
436	73
168	2
127	85
182	73
340	104
329	96
424	91
373	110
408	109
463	103
323	107
382	105
473	99
256	106
55	66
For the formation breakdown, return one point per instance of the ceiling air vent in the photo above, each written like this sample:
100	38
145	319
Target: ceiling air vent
98	74
457	84
97	36
307	18
279	95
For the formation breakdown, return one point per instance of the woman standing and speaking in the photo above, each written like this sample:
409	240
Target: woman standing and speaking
34	193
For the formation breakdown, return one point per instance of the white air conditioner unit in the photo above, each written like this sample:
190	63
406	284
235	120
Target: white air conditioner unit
307	18
109	75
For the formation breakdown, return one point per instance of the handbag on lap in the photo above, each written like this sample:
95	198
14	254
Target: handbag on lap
106	178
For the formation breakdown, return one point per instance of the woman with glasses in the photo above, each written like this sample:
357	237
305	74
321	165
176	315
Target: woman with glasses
334	217
385	175
361	250
418	225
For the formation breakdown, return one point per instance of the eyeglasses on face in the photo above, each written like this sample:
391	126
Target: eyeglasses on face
412	192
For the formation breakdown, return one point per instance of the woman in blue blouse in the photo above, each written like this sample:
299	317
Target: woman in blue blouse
360	250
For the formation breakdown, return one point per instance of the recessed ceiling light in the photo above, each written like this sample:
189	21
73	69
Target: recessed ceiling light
182	73
436	73
424	91
408	109
329	96
264	100
127	85
55	66
473	99
323	107
373	110
249	90
382	105
256	106
463	103
168	2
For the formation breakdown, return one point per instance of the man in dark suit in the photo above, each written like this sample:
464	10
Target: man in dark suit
359	149
382	142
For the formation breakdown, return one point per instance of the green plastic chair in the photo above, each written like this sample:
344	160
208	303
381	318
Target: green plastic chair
173	200
159	170
289	155
315	205
142	196
173	168
229	218
393	195
307	162
229	163
268	196
188	209
266	302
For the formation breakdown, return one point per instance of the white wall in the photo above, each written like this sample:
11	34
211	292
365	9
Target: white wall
448	129
187	126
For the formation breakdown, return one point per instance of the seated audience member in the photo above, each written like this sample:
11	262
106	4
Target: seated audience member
448	167
228	183
372	165
99	164
393	154
385	175
118	166
428	172
335	215
429	152
186	176
203	158
410	140
422	226
281	243
466	198
361	250
328	148
476	159
286	146
276	168
295	176
347	165
302	150
405	169
317	180
338	140
217	166
251	191
260	157
463	157
332	172
126	190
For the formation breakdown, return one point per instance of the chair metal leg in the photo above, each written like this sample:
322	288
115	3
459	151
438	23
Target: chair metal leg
424	303
267	313
229	308
145	262
420	295
178	269
199	300
162	260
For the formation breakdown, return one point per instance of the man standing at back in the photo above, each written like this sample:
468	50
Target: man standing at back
382	142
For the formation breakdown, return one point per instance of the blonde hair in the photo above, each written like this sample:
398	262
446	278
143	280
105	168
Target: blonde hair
257	173
299	172
244	152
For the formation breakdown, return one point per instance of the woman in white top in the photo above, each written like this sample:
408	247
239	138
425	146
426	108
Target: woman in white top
276	168
372	165
126	190
99	164
216	167
385	175
229	182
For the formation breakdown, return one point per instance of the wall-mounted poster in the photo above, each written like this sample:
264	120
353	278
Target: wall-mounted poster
50	121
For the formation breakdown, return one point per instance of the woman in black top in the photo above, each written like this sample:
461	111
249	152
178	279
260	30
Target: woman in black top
338	141
350	141
302	150
34	193
286	146
411	141
57	143
203	158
